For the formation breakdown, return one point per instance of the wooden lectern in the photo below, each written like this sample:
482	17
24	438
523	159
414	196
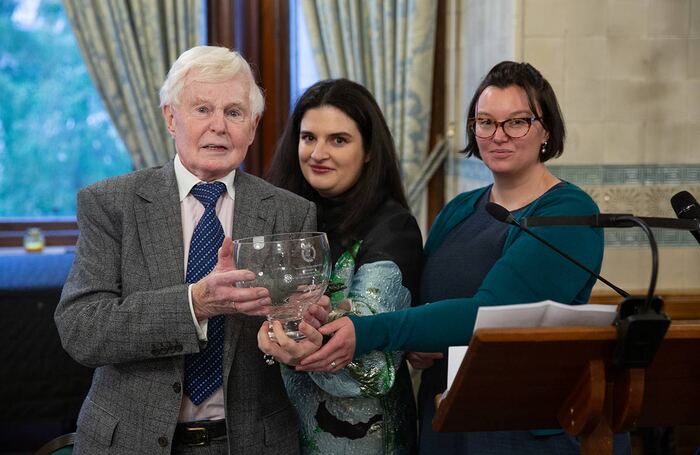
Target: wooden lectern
563	377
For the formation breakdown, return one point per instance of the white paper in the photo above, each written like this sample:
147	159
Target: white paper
455	355
541	314
545	314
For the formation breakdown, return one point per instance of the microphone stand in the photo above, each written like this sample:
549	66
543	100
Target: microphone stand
640	323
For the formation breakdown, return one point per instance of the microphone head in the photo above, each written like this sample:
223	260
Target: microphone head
685	206
500	213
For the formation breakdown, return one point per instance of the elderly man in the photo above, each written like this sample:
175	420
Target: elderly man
151	301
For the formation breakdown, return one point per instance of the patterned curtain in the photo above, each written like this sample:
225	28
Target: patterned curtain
387	46
128	47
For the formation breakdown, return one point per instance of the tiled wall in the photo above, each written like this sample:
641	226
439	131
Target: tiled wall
627	75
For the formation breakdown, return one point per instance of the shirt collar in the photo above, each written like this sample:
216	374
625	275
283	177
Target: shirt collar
186	180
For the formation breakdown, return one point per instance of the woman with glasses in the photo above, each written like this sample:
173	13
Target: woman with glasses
472	260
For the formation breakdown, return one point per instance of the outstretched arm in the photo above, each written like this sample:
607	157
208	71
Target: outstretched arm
425	328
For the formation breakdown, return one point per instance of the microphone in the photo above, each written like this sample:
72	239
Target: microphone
616	220
687	208
503	215
640	324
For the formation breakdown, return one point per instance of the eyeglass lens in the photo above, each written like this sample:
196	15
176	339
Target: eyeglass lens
515	127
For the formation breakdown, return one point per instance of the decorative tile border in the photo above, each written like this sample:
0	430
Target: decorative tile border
646	174
643	190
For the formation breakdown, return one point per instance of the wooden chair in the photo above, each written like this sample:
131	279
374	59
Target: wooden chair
61	445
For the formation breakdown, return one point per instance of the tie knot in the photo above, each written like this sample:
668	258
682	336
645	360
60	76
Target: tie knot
208	193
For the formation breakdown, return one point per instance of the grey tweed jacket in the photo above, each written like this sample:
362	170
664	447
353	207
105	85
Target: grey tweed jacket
124	311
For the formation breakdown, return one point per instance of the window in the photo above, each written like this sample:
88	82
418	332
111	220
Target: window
55	135
303	70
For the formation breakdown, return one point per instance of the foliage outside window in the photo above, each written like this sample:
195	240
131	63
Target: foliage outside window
55	135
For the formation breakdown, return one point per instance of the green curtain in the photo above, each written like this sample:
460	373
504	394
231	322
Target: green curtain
128	47
388	46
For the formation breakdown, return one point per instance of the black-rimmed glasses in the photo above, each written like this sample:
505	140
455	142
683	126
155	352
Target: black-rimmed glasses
485	128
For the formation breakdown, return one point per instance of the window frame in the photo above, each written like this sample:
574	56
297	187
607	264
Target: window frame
58	231
260	32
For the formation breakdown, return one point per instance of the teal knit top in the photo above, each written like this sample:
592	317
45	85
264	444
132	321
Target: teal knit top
526	272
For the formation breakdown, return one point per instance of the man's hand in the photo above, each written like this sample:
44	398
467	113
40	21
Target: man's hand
217	293
284	349
337	353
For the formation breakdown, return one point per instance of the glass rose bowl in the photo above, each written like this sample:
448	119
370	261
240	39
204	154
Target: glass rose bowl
294	267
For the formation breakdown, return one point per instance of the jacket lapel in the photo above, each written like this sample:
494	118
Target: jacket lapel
254	207
253	214
159	226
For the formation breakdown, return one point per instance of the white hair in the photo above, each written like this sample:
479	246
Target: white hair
212	64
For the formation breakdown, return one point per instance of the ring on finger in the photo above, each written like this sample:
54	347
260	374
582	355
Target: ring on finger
333	364
233	302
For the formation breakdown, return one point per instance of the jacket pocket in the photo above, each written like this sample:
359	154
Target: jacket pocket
96	424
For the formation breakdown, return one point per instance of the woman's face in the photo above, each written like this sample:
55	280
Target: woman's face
331	153
503	155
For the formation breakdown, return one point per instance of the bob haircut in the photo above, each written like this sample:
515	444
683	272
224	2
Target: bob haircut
211	64
540	97
380	177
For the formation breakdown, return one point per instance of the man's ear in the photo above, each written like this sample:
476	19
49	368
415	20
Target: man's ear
169	117
253	127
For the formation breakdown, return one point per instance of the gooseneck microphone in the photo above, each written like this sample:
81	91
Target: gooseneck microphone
503	215
687	208
640	324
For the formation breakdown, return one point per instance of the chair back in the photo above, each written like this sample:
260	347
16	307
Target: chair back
61	445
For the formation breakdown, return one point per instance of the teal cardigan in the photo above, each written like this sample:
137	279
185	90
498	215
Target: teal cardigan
526	272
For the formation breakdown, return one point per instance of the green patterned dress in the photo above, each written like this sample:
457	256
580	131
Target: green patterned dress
368	407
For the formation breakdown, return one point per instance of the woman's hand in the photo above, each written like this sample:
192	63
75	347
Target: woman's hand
285	349
423	360
337	353
317	313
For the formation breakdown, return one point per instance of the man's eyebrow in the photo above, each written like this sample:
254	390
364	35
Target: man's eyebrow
198	100
237	104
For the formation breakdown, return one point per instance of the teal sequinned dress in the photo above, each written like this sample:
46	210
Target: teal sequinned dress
368	407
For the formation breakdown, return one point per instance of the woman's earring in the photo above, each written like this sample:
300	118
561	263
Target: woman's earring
543	148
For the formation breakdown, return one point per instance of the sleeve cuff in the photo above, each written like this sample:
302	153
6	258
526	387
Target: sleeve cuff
200	327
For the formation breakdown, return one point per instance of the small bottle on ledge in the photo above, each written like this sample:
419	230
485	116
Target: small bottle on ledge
34	240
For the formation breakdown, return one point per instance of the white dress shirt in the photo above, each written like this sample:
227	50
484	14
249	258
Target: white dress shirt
191	211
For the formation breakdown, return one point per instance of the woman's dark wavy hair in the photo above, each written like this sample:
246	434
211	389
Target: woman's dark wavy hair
380	178
539	94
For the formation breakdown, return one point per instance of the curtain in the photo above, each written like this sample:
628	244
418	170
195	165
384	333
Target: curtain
128	47
387	46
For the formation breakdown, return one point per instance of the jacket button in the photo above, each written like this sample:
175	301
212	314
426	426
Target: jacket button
177	387
162	441
178	348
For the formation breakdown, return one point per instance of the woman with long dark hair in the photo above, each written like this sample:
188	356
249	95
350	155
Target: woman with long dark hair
337	151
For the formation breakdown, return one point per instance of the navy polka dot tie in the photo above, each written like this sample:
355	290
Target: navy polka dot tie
204	370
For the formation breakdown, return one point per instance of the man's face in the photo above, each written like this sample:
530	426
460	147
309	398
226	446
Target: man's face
213	125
